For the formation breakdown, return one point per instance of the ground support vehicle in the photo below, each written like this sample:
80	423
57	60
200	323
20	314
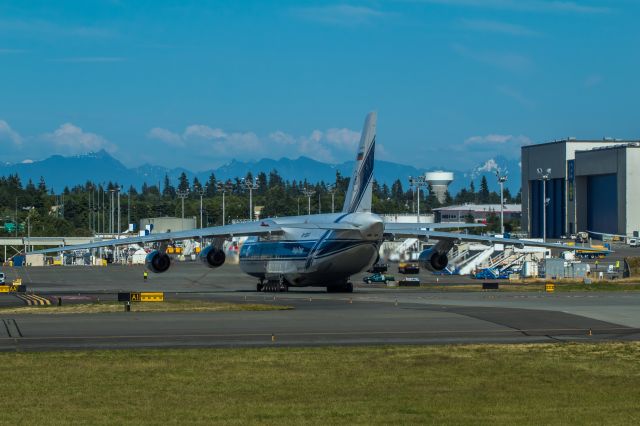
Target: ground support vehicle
378	278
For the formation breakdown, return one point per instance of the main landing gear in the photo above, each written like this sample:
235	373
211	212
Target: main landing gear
276	285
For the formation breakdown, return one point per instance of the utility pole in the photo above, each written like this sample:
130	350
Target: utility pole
501	180
417	183
332	191
111	211
119	189
544	176
200	191
129	209
223	187
308	192
251	185
182	194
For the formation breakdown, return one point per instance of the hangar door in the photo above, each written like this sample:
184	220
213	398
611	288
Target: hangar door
556	209
602	203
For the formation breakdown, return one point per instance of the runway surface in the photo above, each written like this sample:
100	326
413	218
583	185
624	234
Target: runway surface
368	316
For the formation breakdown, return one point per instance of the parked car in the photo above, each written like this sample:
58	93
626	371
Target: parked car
379	268
378	278
409	282
408	268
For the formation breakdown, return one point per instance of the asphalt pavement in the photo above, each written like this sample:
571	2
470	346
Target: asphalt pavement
368	316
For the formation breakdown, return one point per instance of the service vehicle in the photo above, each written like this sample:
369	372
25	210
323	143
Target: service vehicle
408	268
409	282
1	278
633	242
379	268
378	278
596	251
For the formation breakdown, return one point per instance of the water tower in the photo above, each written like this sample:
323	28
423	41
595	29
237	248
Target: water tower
439	182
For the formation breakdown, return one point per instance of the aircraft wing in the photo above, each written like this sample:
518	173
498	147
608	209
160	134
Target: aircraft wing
267	227
451	238
397	228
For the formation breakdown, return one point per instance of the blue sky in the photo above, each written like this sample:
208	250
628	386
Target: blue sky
197	83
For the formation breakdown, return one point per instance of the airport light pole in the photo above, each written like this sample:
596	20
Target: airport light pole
251	185
111	211
544	176
332	190
200	191
223	187
118	190
28	210
501	180
417	183
182	194
308	192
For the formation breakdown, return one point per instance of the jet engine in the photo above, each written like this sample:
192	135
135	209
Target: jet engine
212	257
433	260
157	262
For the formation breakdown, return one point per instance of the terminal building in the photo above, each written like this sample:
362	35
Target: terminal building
589	185
476	213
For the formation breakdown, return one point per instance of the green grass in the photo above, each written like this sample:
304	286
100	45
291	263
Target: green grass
167	306
475	384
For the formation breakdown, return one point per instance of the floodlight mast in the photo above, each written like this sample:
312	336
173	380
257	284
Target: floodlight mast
544	176
417	183
200	191
502	178
308	192
332	190
251	185
182	194
223	187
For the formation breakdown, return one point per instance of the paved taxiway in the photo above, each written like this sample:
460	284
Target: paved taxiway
368	316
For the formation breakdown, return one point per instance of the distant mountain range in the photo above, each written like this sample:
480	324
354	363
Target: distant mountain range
59	171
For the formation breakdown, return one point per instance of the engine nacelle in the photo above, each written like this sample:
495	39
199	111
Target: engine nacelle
433	261
212	257
157	262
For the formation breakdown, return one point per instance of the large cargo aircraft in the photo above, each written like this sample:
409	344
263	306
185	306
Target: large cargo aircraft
322	250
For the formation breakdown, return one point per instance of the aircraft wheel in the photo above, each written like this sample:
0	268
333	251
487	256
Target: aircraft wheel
259	287
348	288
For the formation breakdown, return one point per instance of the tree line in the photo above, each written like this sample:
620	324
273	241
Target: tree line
83	210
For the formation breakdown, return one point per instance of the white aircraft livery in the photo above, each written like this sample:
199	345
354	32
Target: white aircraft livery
315	250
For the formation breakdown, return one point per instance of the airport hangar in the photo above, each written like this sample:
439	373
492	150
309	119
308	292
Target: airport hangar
590	186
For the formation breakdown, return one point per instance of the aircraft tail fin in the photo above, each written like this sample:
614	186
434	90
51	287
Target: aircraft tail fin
358	198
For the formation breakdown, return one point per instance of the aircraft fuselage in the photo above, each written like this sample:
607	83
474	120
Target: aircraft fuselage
315	256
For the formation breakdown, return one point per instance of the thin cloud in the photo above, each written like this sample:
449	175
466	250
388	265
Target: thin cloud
331	145
498	27
92	59
541	6
496	139
505	60
343	14
515	95
47	28
71	139
10	51
8	134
